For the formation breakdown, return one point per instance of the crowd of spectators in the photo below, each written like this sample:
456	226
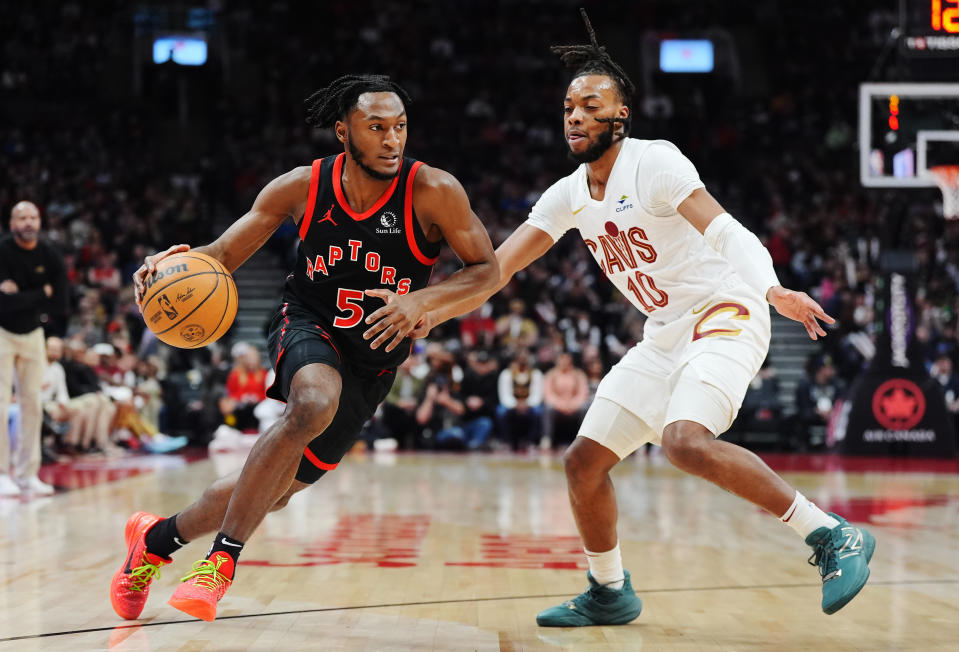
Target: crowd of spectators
125	157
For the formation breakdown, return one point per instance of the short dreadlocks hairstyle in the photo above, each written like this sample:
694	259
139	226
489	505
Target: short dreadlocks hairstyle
327	105
592	59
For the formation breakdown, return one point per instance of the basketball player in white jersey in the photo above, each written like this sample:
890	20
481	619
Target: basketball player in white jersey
704	282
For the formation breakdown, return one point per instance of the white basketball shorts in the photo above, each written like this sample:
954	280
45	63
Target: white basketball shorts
696	368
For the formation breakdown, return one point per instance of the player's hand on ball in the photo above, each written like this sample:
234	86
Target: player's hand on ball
800	307
149	267
395	320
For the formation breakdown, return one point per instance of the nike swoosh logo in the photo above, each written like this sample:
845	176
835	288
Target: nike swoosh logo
177	541
227	543
128	568
579	209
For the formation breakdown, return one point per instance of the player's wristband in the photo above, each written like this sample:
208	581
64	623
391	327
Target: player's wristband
743	250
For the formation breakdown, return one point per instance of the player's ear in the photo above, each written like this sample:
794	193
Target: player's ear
340	130
624	114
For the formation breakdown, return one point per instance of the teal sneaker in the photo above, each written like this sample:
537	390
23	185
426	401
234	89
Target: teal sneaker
597	605
843	555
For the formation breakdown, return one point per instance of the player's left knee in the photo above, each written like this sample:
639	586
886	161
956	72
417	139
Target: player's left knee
686	445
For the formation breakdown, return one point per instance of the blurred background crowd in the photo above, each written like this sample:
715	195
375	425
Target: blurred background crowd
125	157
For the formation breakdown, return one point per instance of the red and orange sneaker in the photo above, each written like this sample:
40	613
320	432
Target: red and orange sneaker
203	588
131	584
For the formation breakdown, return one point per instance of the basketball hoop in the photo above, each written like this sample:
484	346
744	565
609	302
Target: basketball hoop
947	178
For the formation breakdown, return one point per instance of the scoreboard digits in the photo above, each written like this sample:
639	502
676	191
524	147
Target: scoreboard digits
944	16
929	27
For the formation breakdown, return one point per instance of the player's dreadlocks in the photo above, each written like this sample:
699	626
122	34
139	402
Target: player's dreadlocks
327	105
592	59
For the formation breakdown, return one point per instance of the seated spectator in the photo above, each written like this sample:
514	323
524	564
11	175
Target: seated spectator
118	381
479	394
398	410
268	410
440	408
105	275
84	419
520	390
148	390
245	389
942	371
83	387
816	394
595	371
565	399
477	328
515	329
761	410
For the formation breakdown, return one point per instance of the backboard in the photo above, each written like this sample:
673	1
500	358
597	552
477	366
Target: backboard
904	129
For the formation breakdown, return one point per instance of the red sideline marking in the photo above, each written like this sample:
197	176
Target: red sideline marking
89	471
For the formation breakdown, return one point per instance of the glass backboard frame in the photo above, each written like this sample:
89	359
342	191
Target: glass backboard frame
867	92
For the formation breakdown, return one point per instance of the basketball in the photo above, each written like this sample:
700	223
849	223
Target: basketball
190	301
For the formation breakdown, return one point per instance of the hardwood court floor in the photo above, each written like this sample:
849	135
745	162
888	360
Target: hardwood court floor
458	552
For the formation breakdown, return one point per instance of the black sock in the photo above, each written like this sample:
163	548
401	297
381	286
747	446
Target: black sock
230	546
163	539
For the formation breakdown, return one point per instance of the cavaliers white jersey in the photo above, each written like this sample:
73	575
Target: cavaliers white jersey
656	258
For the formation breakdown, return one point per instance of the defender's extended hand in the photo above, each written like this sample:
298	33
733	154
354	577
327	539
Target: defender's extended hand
800	307
149	266
396	319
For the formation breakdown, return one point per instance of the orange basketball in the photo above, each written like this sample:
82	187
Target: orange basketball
190	301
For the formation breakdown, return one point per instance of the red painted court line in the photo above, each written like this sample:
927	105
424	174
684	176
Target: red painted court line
89	471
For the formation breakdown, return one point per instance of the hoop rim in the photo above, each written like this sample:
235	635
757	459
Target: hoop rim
947	178
945	173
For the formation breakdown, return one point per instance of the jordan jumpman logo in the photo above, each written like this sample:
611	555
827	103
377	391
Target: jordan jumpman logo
328	216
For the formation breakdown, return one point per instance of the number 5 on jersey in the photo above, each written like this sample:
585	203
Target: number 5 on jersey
348	301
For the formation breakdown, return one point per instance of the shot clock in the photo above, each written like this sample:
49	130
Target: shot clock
929	28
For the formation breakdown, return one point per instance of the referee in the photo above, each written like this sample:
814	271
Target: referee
33	287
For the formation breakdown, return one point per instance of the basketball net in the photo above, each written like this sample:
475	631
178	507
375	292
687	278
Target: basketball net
947	178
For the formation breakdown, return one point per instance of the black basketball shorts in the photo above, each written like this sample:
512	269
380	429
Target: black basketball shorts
296	340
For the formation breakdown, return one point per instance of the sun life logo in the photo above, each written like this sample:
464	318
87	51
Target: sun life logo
388	219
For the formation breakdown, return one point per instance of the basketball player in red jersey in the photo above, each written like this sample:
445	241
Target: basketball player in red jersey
370	223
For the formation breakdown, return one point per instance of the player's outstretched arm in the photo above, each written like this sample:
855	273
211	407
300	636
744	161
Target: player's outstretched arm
522	247
751	260
283	197
440	199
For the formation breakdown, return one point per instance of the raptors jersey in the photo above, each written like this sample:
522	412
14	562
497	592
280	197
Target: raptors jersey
657	259
342	253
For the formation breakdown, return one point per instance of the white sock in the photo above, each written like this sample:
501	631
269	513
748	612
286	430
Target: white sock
804	517
607	567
